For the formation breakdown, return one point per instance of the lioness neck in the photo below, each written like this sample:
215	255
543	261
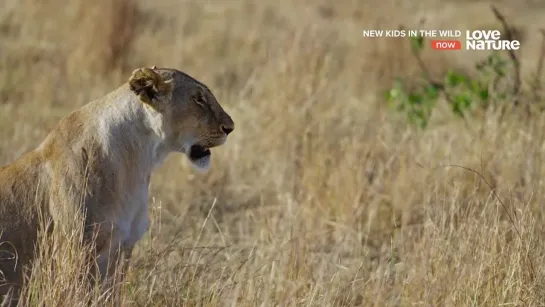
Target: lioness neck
130	130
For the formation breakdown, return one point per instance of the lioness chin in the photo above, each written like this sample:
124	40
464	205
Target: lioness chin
97	162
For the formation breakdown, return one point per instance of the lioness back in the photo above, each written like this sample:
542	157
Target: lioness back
19	206
25	189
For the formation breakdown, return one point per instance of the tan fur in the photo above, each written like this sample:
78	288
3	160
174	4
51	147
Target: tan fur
97	162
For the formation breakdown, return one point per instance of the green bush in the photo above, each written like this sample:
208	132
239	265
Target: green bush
462	92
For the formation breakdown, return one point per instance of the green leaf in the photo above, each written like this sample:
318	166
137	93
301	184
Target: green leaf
483	94
415	99
432	91
454	79
417	43
393	94
461	103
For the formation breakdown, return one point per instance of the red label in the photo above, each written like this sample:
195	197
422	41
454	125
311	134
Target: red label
446	44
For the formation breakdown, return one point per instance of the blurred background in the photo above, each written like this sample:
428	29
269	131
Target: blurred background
339	185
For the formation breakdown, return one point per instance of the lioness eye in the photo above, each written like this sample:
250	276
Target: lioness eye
199	101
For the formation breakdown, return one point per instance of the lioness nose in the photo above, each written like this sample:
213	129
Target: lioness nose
227	129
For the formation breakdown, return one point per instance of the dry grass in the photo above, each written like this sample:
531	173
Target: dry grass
320	197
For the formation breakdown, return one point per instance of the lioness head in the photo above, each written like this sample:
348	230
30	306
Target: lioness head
192	119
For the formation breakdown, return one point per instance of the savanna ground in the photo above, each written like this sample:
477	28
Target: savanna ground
322	196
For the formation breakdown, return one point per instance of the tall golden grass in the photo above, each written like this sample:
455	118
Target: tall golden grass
321	197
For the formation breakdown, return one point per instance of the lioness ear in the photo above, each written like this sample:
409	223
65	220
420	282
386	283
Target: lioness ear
148	84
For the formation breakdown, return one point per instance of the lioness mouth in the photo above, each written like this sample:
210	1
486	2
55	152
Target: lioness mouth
198	152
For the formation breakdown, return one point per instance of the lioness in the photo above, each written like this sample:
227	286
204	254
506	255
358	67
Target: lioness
98	160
